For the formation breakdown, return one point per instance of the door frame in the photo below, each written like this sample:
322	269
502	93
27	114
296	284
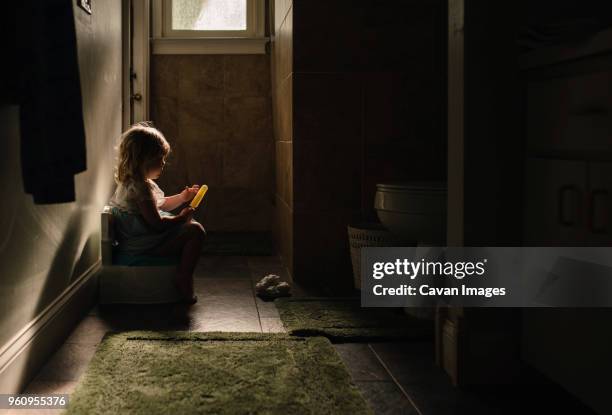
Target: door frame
126	64
136	60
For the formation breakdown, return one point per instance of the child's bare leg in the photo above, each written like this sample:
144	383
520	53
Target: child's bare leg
172	246
189	258
189	246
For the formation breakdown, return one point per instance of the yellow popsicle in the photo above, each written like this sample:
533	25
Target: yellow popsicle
199	196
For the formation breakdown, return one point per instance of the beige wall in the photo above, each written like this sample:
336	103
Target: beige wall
215	110
282	75
43	248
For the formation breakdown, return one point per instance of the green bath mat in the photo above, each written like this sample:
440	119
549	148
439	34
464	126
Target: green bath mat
215	373
344	320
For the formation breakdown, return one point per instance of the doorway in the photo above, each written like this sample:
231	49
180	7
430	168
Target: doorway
135	56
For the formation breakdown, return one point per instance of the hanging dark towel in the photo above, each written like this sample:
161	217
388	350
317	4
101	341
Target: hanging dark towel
12	47
52	128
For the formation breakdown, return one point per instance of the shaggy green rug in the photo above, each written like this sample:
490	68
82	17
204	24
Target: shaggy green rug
215	373
344	320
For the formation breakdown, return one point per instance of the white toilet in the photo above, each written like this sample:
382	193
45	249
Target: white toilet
414	211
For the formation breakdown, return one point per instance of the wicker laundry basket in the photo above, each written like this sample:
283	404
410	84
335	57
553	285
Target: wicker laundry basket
363	235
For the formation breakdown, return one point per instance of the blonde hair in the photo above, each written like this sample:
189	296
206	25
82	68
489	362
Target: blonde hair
141	146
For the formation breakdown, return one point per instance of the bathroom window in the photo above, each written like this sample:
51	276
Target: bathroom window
208	26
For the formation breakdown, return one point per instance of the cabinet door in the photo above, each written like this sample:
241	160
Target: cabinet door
554	211
547	108
571	114
589	123
599	203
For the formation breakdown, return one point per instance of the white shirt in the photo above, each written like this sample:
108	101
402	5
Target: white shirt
127	196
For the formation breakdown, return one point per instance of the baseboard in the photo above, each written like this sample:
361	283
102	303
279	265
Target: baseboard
27	351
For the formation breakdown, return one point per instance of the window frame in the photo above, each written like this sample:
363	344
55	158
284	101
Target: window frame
166	40
250	31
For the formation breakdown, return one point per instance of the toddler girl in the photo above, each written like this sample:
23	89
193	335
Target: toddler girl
143	223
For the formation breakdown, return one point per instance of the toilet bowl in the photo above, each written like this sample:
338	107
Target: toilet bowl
414	211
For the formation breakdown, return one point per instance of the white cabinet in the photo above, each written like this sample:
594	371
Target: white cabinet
567	202
599	203
570	113
554	202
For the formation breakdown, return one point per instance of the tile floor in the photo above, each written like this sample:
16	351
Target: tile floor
394	377
226	302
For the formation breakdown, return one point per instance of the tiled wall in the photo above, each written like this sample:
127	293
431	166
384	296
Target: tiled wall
282	75
367	104
327	174
215	110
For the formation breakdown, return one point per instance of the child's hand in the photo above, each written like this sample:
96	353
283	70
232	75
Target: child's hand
189	193
187	213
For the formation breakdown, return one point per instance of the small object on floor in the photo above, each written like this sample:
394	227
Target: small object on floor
279	290
266	282
283	287
271	287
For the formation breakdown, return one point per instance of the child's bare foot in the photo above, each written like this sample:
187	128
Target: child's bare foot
185	288
190	301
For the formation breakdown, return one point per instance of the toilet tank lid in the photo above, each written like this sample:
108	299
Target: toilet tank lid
416	185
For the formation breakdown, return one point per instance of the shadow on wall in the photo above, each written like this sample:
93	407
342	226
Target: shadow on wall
44	249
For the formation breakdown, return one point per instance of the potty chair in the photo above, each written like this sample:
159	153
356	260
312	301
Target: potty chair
133	279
